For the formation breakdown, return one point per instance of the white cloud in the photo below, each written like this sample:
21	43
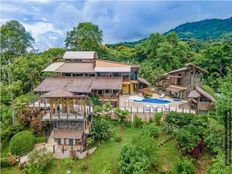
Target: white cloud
41	27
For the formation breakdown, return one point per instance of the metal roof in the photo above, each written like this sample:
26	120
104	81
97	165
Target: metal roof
53	67
112	69
76	68
80	55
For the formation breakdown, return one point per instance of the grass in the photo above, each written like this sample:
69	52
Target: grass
4	148
108	154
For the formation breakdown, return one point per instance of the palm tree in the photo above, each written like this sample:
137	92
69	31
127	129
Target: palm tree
122	115
107	107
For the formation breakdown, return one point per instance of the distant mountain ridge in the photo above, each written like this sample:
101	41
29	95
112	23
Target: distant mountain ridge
204	30
208	29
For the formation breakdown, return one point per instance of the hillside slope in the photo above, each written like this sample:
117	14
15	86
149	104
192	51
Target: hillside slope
209	29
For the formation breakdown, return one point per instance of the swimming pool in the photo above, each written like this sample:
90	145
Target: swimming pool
153	101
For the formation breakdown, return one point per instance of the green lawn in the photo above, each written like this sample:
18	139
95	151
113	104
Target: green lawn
108	153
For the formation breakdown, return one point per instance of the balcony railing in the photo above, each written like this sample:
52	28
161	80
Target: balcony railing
62	116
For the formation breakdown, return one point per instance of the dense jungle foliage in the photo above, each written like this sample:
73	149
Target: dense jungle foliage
21	68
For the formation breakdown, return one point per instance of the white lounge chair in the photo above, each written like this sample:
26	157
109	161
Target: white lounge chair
162	95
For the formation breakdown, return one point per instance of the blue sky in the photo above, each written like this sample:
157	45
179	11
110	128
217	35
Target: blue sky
48	20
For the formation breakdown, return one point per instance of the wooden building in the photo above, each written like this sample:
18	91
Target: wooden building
86	64
73	81
186	83
70	116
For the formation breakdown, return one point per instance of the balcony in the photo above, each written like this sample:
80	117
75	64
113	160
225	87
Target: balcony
62	116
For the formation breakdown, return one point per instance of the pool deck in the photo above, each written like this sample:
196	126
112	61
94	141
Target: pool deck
142	107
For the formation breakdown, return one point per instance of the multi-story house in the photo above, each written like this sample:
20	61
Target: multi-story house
186	83
79	76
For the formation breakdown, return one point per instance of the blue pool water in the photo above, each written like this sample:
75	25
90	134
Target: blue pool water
153	100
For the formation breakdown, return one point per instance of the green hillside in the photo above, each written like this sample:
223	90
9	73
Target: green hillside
204	30
209	29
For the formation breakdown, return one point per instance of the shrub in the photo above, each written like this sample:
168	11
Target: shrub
133	160
40	159
68	163
187	139
11	159
218	166
139	156
185	166
84	167
8	131
90	141
138	123
197	151
73	154
101	129
151	130
157	118
21	143
214	140
31	169
32	117
175	120
40	139
118	138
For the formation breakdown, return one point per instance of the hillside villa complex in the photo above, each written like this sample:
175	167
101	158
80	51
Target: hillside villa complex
81	75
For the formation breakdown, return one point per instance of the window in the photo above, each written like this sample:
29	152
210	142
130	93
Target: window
71	142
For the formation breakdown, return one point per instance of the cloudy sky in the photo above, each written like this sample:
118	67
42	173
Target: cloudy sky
49	20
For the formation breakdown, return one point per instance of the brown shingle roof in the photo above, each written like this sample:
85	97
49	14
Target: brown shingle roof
68	133
58	93
79	84
76	68
110	83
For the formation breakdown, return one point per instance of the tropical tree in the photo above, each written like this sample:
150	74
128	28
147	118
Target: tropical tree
15	40
85	36
122	116
139	156
101	129
107	107
68	163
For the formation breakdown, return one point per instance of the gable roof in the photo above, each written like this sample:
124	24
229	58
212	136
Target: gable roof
80	55
194	94
144	81
188	66
205	94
